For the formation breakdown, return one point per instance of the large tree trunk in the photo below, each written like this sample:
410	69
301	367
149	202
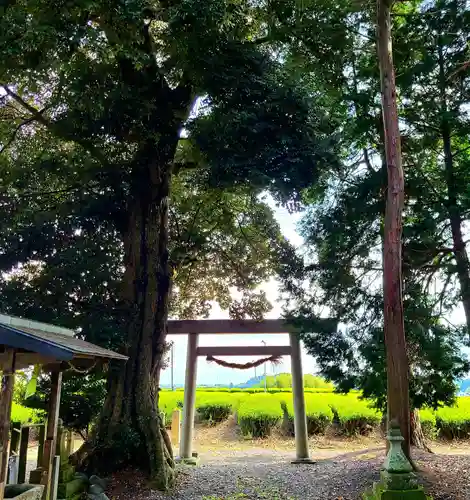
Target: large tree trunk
455	215
394	329
130	430
418	439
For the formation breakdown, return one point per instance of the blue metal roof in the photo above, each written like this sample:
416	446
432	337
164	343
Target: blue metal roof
12	337
49	341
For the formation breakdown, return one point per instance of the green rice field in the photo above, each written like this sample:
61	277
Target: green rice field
258	413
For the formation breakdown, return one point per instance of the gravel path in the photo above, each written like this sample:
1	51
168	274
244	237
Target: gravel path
257	474
261	475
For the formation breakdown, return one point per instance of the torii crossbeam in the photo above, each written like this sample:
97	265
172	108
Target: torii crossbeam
194	328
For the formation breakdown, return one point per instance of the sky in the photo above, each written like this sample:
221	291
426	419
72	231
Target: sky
209	373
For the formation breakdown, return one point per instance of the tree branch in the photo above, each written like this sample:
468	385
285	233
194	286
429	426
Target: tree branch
460	151
367	161
14	134
37	115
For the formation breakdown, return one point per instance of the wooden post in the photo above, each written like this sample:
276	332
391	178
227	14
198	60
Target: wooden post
189	399
70	442
300	417
51	433
15	438
23	454
55	477
42	438
175	427
6	396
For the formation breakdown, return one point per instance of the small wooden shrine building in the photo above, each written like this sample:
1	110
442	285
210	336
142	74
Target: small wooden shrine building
24	343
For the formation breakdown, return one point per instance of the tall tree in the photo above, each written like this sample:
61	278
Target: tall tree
432	85
102	93
344	229
394	326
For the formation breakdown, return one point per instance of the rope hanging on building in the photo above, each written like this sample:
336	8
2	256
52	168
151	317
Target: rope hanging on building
275	360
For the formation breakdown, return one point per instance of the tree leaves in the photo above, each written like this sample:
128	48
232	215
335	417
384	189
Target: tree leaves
343	230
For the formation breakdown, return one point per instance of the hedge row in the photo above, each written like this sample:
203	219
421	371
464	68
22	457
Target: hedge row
252	390
212	407
258	413
454	422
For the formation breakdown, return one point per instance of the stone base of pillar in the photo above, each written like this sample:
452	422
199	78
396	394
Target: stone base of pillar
380	493
397	480
194	461
307	461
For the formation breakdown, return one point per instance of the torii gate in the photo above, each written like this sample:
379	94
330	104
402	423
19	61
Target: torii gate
194	328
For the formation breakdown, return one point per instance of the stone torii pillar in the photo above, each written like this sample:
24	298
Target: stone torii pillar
239	327
300	417
189	405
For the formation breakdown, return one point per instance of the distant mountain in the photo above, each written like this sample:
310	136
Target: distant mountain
252	382
464	385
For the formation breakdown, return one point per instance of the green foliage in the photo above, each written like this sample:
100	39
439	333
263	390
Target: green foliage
79	145
33	381
318	409
284	381
254	129
454	422
428	422
22	415
314	382
353	415
19	389
343	226
213	407
82	398
258	415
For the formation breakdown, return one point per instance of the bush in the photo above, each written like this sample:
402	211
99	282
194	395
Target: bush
214	407
454	422
319	414
259	414
353	415
427	418
168	401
